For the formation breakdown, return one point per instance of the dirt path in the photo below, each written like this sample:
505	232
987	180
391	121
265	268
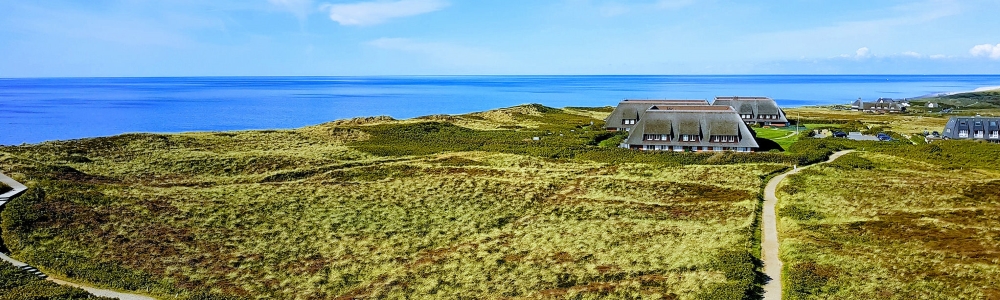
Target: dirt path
20	188
769	245
102	292
791	134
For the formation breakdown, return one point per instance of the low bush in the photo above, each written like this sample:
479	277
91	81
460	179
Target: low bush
16	284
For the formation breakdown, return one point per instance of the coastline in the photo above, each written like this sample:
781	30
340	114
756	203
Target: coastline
169	106
980	89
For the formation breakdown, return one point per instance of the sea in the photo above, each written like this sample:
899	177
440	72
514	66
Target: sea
34	110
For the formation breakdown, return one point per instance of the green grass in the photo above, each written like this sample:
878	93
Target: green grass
20	285
892	224
466	206
442	207
784	137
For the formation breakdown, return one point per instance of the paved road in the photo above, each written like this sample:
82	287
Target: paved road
20	188
770	246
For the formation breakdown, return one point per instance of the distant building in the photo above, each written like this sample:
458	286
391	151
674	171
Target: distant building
690	128
881	106
755	110
932	105
976	128
629	112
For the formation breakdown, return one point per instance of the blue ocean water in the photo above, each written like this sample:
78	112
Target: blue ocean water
36	110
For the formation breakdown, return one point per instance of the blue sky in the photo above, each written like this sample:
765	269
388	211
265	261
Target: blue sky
43	38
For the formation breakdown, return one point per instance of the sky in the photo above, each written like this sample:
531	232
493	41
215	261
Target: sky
122	38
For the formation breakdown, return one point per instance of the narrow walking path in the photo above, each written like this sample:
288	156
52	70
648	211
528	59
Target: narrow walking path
769	245
790	134
18	189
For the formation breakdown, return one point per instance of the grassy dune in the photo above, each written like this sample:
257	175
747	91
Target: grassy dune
972	102
894	224
443	206
901	123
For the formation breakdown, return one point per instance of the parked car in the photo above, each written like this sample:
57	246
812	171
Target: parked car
839	134
936	134
883	137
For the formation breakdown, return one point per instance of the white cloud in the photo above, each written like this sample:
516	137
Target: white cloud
376	12
986	50
863	52
301	8
938	56
912	54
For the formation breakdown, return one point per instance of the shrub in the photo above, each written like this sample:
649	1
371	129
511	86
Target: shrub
806	279
16	284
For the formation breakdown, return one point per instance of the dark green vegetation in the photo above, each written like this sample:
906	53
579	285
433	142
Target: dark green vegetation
437	207
963	101
894	222
19	285
4	188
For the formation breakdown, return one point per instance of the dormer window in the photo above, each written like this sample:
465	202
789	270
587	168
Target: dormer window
628	121
655	137
724	139
689	138
963	133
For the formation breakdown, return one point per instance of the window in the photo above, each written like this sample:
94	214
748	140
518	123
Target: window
655	137
980	134
963	133
723	139
628	121
995	135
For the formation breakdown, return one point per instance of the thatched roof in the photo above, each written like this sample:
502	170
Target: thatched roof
658	127
633	109
753	106
692	120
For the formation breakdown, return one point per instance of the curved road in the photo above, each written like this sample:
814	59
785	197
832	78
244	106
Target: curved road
769	245
20	188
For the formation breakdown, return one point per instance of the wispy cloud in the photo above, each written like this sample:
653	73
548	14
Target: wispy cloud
619	7
861	53
377	12
440	52
673	4
300	8
986	50
810	41
912	54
